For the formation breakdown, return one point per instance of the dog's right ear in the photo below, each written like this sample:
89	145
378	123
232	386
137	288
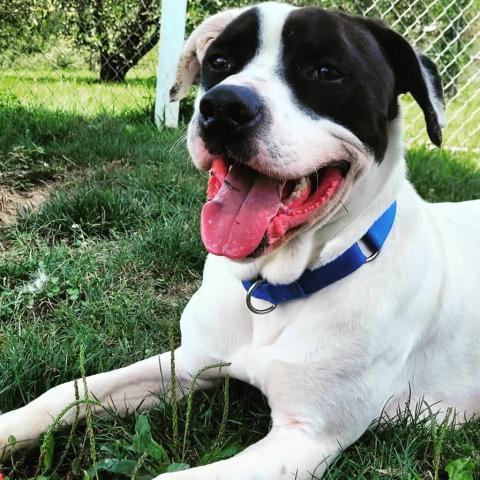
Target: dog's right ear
188	68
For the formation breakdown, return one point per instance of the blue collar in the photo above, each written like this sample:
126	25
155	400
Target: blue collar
312	281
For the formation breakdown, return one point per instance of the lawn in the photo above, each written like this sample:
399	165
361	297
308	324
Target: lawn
98	276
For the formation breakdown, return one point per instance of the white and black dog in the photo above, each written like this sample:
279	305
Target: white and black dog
297	119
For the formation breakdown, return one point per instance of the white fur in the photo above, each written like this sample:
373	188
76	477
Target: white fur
403	326
437	103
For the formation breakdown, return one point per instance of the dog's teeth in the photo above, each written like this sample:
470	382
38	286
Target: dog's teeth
297	190
300	186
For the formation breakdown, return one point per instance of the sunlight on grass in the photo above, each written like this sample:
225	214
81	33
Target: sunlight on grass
79	90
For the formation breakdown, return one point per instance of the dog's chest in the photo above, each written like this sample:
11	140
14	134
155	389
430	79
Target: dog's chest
266	349
318	334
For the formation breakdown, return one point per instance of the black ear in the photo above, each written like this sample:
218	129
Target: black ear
414	73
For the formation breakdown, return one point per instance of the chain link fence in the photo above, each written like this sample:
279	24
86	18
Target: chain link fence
449	33
99	57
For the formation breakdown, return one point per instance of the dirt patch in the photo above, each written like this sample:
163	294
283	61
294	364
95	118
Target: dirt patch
13	202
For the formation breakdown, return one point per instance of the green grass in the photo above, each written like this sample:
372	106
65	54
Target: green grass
53	89
37	81
118	245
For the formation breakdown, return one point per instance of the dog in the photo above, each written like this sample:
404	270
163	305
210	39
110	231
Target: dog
330	285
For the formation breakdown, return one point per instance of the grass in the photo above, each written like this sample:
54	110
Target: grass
37	80
98	278
53	90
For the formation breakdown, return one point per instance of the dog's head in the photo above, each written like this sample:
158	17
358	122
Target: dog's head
294	106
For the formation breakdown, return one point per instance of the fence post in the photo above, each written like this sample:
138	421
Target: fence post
172	32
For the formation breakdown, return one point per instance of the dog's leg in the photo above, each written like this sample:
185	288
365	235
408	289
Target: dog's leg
126	389
286	453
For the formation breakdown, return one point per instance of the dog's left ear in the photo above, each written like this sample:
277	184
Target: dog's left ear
414	73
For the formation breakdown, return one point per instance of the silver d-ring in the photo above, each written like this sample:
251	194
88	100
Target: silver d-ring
372	257
249	300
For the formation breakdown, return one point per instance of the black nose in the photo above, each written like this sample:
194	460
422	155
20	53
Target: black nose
229	110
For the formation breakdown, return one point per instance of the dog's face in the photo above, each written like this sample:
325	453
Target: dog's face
294	106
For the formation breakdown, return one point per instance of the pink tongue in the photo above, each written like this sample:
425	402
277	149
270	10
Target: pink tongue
234	222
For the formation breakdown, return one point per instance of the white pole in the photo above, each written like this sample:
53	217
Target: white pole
172	32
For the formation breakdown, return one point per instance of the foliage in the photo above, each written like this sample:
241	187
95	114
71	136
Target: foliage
142	457
64	54
460	469
120	32
27	25
117	32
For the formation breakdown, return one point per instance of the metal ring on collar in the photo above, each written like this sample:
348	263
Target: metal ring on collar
372	257
249	300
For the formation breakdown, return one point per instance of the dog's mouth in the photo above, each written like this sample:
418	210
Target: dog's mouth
248	214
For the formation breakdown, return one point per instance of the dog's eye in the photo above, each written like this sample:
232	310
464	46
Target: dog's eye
219	62
323	72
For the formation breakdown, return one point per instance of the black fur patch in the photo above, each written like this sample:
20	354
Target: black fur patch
363	99
238	43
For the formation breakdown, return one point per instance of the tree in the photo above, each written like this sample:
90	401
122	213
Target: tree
117	32
121	32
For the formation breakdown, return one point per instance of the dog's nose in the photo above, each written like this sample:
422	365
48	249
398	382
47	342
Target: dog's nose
229	110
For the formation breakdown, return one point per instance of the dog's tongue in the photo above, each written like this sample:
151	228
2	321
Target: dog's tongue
234	222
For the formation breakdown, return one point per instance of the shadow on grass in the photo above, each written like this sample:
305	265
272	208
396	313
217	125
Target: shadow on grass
128	172
34	140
